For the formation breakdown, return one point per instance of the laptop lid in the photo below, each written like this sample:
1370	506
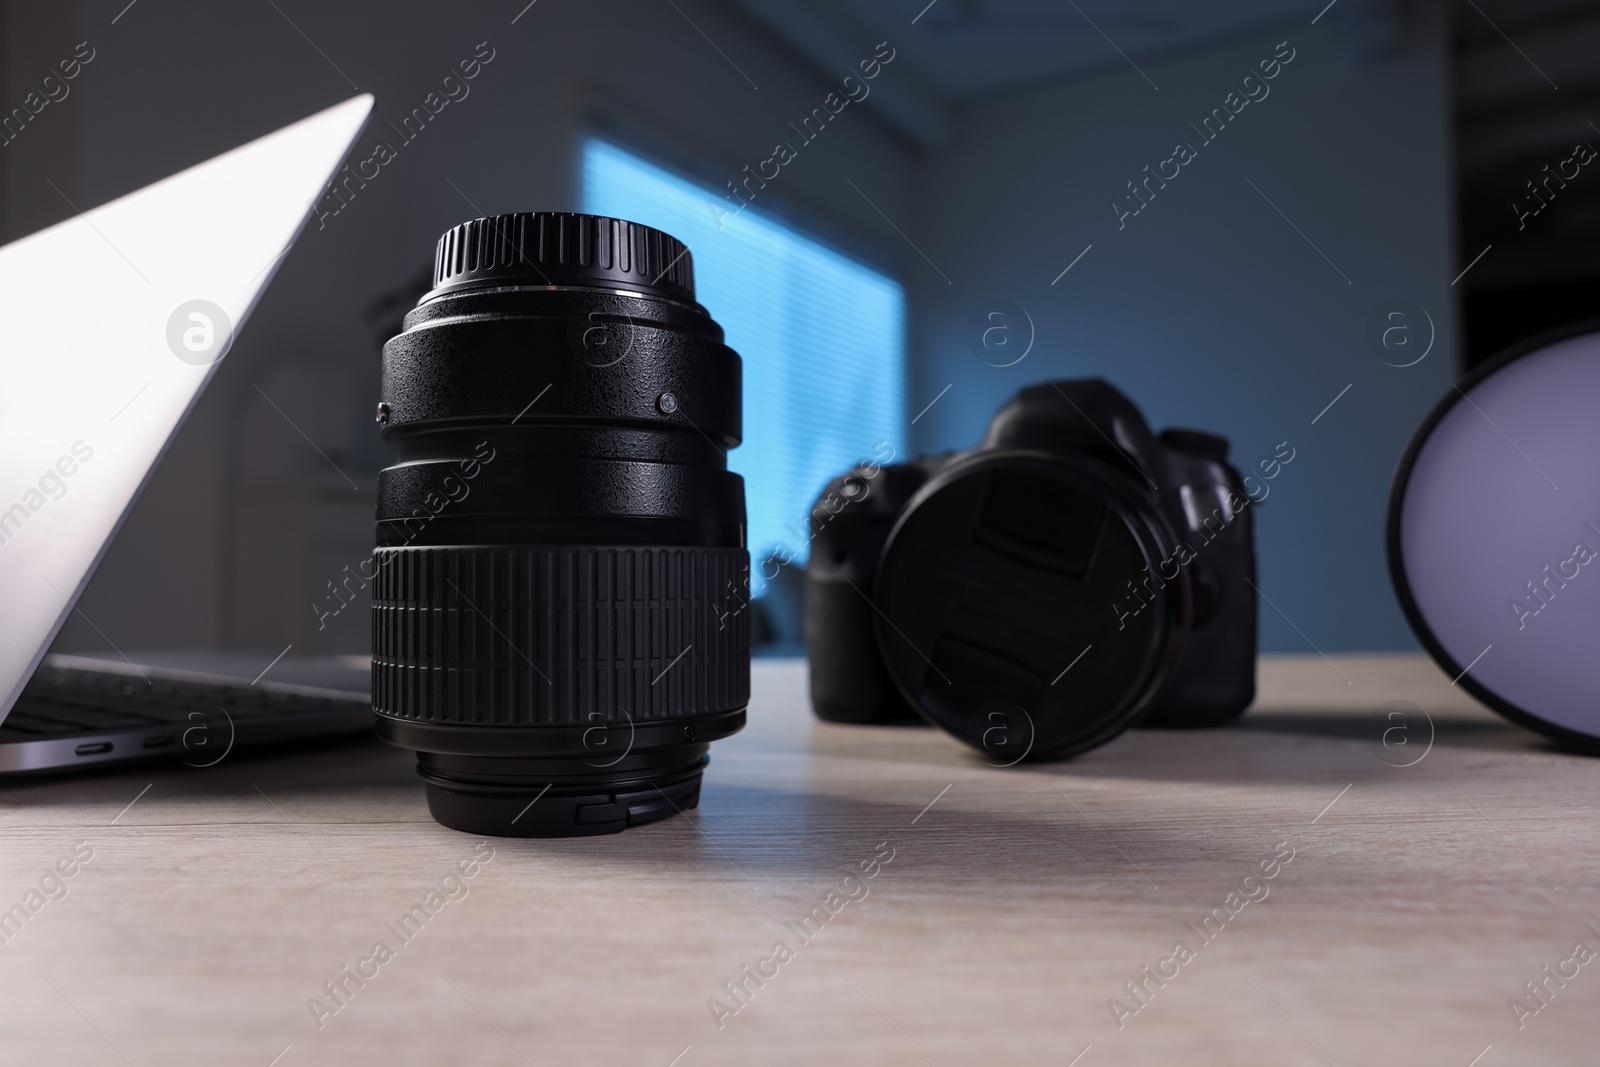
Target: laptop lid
111	324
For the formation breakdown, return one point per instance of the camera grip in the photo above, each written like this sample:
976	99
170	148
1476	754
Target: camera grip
849	681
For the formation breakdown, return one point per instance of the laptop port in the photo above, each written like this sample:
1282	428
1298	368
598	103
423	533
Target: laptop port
94	748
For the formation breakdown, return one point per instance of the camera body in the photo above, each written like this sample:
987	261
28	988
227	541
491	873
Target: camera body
1073	575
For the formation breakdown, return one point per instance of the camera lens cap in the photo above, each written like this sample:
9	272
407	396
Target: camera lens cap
561	248
1494	534
1017	581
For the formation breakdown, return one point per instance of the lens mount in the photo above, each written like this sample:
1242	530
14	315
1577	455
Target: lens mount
573	783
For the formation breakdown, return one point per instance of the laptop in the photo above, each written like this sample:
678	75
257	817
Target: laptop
111	325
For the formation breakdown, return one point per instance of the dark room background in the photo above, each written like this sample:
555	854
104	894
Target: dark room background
1014	158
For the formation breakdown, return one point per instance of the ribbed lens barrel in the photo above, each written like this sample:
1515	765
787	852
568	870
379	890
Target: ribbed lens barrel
561	567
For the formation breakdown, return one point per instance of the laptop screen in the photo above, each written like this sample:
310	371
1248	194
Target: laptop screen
111	324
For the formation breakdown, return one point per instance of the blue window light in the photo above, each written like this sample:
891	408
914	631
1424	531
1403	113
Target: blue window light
822	338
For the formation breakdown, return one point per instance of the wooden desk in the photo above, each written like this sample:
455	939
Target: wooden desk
1017	902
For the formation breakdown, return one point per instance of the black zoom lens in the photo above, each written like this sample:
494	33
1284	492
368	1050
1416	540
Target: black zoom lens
561	550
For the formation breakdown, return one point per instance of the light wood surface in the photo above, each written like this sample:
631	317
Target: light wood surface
1016	905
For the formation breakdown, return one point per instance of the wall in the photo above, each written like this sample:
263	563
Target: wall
245	523
1210	306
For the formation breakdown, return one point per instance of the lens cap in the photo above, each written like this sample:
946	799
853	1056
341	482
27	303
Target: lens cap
1016	609
560	248
1494	534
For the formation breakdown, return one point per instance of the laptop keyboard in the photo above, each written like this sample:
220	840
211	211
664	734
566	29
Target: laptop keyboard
59	702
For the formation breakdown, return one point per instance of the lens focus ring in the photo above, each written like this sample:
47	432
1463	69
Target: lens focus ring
555	635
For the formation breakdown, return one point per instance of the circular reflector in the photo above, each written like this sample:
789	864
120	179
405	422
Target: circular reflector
1494	534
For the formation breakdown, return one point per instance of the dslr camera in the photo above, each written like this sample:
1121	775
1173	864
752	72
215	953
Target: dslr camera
1073	575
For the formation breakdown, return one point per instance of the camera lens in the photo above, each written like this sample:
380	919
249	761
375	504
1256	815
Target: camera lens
997	591
561	548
